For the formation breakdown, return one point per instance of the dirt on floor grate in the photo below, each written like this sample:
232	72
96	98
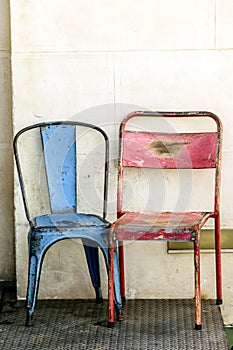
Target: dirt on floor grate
77	324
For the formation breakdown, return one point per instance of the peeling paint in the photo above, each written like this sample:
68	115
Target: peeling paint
166	149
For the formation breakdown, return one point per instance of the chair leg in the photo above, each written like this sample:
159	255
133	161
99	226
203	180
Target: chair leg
122	269
197	282
116	279
92	256
111	284
117	289
218	260
35	264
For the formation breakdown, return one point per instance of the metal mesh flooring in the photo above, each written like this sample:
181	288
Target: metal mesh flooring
76	324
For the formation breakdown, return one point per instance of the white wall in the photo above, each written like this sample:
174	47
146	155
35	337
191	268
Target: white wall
7	268
161	55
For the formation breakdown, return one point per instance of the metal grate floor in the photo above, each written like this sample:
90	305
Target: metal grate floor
76	324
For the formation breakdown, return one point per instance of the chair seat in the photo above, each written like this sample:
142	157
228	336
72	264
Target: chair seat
71	220
160	226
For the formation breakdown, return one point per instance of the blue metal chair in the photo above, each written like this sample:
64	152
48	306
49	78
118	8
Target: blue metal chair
58	144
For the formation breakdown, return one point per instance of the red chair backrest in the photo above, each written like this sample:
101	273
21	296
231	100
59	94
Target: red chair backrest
140	149
169	151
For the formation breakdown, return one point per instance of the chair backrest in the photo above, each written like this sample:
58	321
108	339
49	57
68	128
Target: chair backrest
59	143
160	150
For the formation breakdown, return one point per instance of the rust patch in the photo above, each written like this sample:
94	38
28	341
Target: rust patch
165	149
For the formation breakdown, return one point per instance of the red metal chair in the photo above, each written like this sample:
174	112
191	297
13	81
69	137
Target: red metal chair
159	150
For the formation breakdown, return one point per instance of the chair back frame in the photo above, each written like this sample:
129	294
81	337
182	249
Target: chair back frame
45	125
214	139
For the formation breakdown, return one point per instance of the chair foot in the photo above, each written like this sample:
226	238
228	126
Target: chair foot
99	300
119	312
219	302
110	324
120	317
198	327
98	294
28	322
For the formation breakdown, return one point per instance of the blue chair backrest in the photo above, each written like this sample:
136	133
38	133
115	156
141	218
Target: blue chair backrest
59	146
60	160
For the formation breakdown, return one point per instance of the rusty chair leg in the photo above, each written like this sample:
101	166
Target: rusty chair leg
197	282
122	269
111	284
218	260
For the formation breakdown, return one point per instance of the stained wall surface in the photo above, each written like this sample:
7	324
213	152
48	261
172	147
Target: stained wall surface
96	61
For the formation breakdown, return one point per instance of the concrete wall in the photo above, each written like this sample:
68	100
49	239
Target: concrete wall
7	266
97	60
